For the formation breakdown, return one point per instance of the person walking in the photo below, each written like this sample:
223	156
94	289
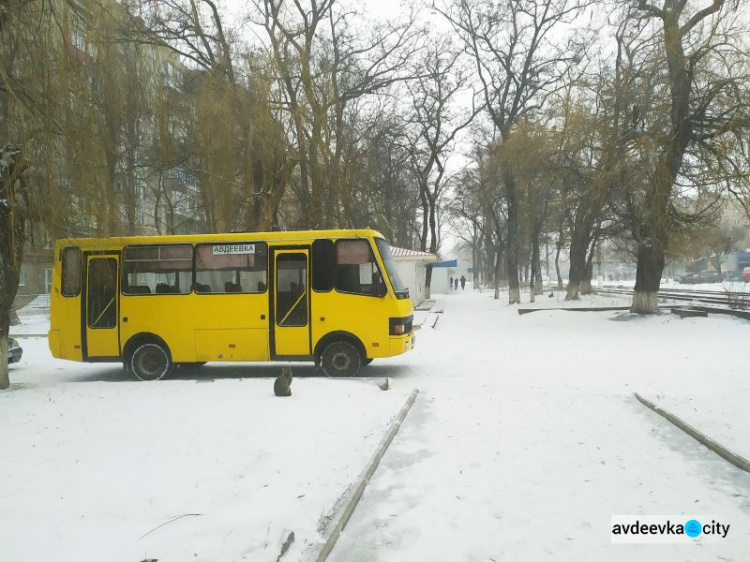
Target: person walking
450	283
463	283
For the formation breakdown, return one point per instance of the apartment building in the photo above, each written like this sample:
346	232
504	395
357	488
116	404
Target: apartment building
121	96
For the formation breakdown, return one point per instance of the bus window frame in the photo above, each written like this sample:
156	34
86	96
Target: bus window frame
63	261
195	267
117	294
289	251
123	270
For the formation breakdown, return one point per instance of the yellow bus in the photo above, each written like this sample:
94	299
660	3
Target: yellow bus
155	302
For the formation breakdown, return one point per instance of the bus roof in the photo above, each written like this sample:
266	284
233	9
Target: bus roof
220	237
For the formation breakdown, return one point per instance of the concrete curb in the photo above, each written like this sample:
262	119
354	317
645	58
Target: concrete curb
16	336
728	455
582	309
351	502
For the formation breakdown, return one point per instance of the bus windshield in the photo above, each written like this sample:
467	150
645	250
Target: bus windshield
399	288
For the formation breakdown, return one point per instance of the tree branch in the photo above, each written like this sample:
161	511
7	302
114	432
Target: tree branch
701	15
651	9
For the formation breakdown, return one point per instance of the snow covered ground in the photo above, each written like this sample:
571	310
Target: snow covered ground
722	413
557	300
92	461
524	441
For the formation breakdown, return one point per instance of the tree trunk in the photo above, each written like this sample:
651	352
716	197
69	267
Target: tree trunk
536	261
652	242
532	289
433	243
716	262
514	290
586	286
425	217
4	378
588	272
10	255
578	246
496	275
428	280
557	266
647	279
11	249
474	255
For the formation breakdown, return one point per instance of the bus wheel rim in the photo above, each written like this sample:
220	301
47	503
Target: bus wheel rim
151	364
341	361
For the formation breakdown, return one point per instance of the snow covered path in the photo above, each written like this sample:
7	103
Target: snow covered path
526	439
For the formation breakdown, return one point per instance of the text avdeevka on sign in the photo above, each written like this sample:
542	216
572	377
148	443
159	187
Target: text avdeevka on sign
224	249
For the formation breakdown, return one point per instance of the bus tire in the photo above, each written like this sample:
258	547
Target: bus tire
366	362
341	359
151	362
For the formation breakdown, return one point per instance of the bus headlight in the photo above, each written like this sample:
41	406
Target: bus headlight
400	326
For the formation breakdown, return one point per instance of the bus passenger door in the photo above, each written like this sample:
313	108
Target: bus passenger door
291	304
101	308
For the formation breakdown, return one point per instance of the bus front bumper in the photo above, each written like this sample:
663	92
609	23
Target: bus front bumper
402	344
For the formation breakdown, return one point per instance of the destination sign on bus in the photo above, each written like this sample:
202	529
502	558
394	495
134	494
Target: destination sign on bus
225	249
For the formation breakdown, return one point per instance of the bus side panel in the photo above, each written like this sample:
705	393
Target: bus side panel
230	345
364	316
201	327
231	327
168	316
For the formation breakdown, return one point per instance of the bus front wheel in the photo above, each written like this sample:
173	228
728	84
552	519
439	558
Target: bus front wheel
151	362
341	359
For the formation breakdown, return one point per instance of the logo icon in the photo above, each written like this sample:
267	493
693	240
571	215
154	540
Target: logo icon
693	528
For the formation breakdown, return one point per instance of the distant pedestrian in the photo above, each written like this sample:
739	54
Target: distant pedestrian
463	283
456	285
450	283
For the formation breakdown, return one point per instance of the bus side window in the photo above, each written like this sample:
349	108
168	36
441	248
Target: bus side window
71	272
231	268
323	264
356	269
157	270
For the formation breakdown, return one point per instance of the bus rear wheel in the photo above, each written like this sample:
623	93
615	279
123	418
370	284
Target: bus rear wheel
341	359
151	362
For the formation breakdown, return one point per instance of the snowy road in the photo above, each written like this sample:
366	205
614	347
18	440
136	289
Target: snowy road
526	440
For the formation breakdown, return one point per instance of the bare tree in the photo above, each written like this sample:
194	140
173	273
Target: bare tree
383	183
706	84
433	126
519	64
324	67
